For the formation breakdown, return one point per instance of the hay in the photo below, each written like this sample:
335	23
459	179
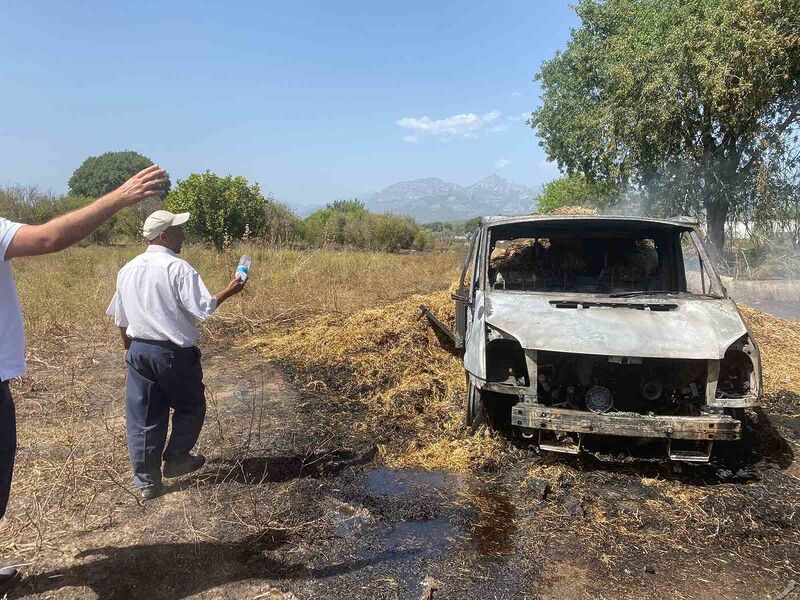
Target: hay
392	362
462	453
573	211
779	342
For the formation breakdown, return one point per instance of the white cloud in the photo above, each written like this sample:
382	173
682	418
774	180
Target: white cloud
516	94
465	125
411	139
498	128
502	163
521	117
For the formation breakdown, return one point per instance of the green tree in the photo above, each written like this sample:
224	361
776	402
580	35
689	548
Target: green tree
423	240
471	224
681	98
393	232
223	208
329	224
575	190
99	175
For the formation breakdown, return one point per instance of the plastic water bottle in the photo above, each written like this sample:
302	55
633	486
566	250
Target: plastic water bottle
243	270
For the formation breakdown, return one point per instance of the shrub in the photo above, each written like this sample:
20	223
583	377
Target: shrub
229	209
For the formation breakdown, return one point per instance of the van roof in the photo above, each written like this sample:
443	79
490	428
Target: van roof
678	222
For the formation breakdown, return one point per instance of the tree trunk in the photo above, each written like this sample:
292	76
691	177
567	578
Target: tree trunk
716	214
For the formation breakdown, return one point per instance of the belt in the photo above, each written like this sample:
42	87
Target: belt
163	344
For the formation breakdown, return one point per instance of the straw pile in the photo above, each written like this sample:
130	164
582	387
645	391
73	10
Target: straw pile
779	342
393	363
573	210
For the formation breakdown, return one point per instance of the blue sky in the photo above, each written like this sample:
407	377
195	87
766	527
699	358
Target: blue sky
314	100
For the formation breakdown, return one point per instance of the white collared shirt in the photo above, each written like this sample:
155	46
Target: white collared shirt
161	297
12	335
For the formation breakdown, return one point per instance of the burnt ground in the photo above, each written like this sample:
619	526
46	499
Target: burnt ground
295	503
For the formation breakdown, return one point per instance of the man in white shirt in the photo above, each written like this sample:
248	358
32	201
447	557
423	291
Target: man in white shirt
159	300
18	240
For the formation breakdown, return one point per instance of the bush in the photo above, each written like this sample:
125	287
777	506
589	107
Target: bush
423	240
349	223
338	223
574	190
228	209
393	233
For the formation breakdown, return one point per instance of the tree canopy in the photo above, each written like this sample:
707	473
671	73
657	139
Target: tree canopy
99	175
229	209
575	190
689	100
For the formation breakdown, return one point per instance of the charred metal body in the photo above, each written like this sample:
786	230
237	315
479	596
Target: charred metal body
616	326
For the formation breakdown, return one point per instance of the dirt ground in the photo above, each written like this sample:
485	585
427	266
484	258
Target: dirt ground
294	503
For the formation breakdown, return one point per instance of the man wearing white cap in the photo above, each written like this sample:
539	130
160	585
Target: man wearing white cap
19	240
159	300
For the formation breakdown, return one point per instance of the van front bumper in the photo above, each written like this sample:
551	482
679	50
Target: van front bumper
529	415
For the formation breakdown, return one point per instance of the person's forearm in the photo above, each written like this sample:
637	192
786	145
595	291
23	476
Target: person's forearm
234	287
126	341
65	230
223	295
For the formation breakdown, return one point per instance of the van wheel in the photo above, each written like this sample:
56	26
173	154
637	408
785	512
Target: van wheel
476	410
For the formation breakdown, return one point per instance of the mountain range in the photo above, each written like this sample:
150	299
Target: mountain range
433	199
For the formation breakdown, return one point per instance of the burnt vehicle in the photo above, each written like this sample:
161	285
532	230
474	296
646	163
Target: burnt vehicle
574	327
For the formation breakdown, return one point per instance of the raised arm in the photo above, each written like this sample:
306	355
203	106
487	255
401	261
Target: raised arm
65	230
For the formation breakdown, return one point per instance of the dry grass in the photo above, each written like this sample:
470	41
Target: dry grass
72	467
347	323
67	293
393	363
394	366
779	342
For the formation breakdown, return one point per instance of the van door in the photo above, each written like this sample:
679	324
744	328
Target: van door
465	285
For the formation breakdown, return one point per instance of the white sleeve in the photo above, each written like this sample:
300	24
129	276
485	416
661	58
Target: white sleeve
195	297
8	230
116	311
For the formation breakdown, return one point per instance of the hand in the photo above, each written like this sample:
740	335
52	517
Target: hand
235	286
146	183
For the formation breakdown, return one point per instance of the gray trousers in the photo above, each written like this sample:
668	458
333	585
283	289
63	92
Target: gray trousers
162	376
8	444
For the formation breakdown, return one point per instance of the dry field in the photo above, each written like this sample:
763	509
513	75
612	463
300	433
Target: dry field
338	467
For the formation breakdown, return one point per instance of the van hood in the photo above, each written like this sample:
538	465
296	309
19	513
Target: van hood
675	327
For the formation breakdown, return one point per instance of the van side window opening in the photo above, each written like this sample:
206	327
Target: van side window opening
693	266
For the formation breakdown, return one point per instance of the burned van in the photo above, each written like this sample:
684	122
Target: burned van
576	326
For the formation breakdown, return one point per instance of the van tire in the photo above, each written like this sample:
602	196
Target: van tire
475	415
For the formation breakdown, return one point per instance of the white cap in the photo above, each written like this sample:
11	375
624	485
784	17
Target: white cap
159	221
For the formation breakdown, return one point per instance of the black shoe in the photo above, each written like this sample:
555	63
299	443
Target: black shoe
188	465
151	491
8	576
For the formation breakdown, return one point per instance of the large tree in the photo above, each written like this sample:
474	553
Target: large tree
99	175
682	98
